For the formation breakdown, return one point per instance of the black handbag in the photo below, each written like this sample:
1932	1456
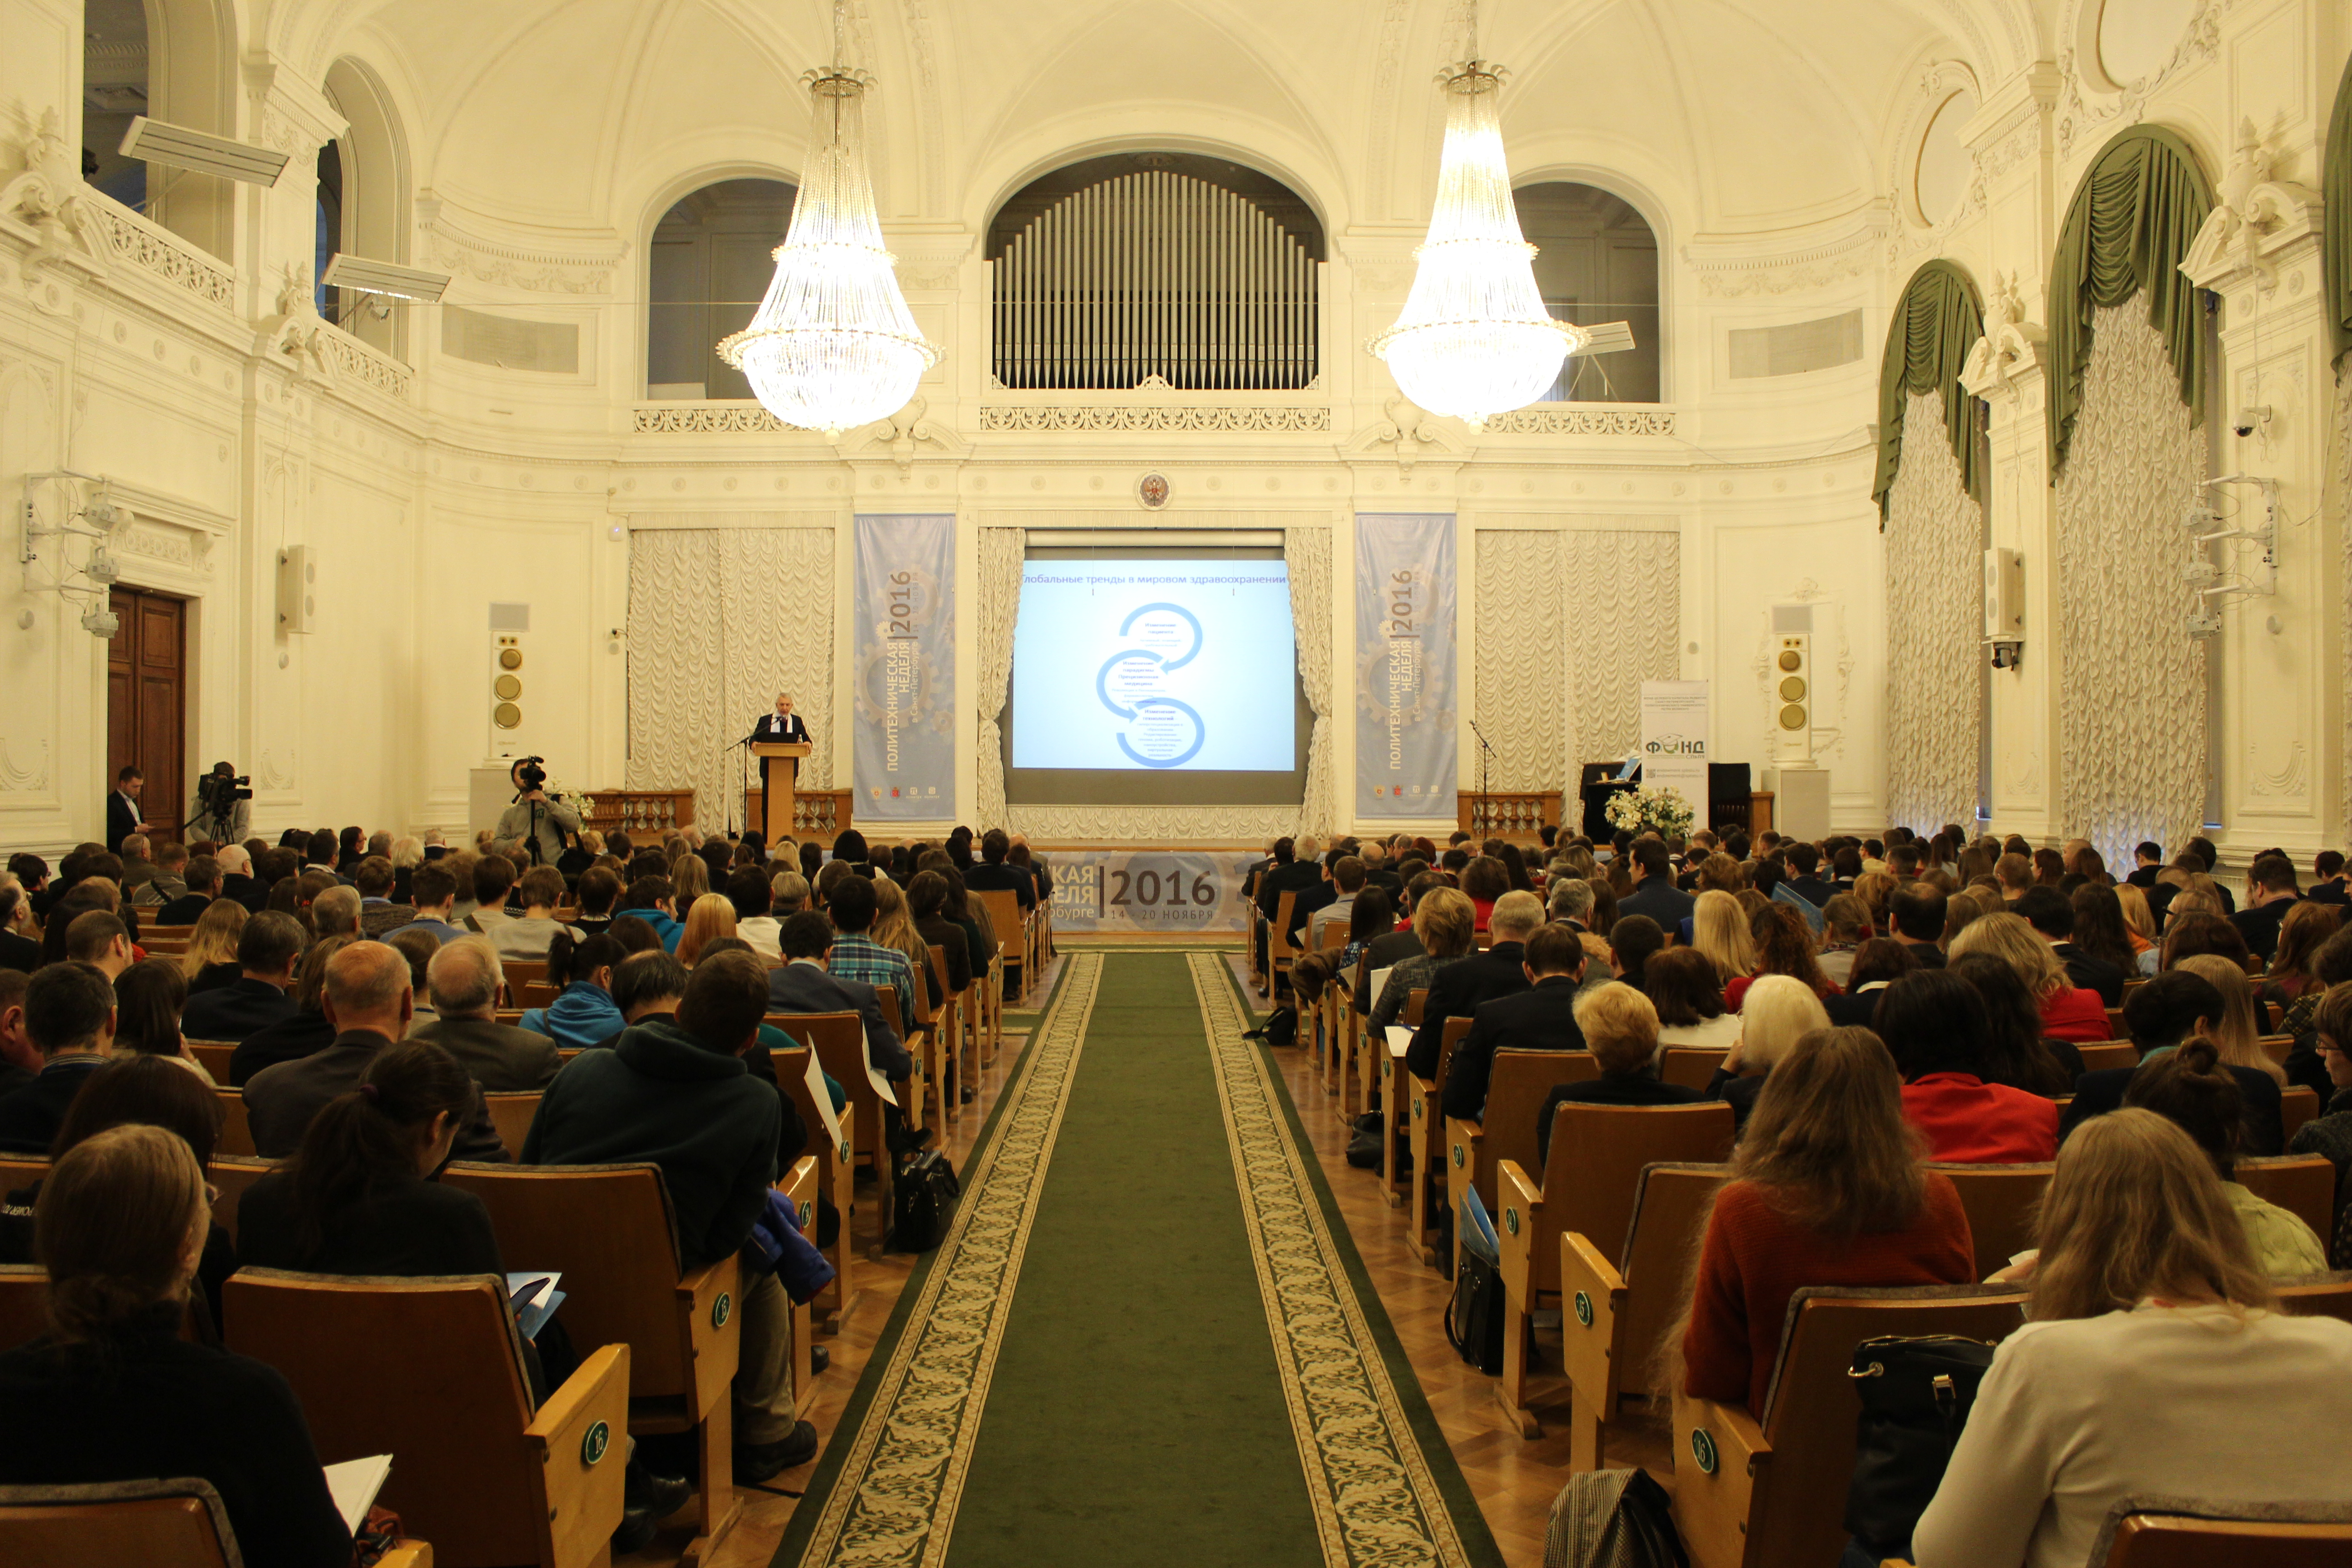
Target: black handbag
1474	1321
1915	1397
922	1202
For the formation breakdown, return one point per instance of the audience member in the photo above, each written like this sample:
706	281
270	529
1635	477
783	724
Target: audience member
1541	1017
1719	929
1457	988
1443	924
679	1094
2271	892
710	917
2191	1088
1877	964
148	997
2067	1012
365	998
1682	986
70	1018
1826	1189
2014	1051
1784	945
528	936
268	949
210	962
2155	1362
2305	931
2329	1133
748	890
2051	914
927	897
113	1393
1934	1024
582	1012
2160	1016
1633	941
1780	1011
100	940
432	893
1619	1026
200	886
464	980
335	913
1844	923
652	899
20	1060
805	984
856	956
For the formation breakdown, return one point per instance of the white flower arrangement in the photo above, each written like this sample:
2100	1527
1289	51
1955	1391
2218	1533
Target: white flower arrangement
1661	810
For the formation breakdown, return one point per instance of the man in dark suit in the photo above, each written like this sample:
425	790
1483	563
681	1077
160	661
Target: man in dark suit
267	952
1917	911
1804	860
204	884
1620	1028
993	876
123	818
1380	874
463	979
2052	915
1457	988
2270	894
367	1000
2147	862
782	725
16	952
69	1019
1540	1019
2327	880
1655	893
803	985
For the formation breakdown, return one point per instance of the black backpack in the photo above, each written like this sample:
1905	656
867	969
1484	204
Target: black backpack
922	1202
1280	1028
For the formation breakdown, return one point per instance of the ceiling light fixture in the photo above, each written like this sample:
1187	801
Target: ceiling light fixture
832	345
366	276
155	141
1475	339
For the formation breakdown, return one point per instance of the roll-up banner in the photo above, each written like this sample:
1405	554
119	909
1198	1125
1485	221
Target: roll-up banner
1674	739
1405	664
904	688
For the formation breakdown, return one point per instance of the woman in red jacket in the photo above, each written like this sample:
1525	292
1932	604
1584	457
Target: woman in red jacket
1935	1024
1828	1188
2067	1012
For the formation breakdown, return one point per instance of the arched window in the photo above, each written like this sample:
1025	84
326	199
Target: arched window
174	61
1596	261
363	204
113	91
711	261
1203	273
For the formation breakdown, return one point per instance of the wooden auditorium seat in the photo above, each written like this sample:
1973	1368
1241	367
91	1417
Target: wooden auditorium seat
2320	1296
24	1304
1425	1137
1013	931
834	1171
473	1468
1517	1086
235	1136
798	1186
2118	1053
213	1055
512	1113
922	1043
2000	1201
179	1524
1691	1067
2179	1532
2302	1184
839	1041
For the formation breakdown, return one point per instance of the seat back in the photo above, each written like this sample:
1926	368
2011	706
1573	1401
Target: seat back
429	1370
2114	1054
1516	1090
610	1231
1598	1153
1671	1203
1414	1001
213	1055
537	994
20	1171
2176	1533
235	1136
172	1524
511	1112
231	1175
24	1307
2322	1296
2000	1201
522	971
2303	1185
839	1041
1003	907
1691	1067
2298	1106
1811	1411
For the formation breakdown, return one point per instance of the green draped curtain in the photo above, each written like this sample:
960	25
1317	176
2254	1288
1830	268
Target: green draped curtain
2335	217
2129	227
1937	322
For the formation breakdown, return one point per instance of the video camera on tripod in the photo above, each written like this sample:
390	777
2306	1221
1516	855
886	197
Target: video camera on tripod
527	773
218	794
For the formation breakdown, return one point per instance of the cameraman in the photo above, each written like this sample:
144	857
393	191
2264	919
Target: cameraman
541	825
224	811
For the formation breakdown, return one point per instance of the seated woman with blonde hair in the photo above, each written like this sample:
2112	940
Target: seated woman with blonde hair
2067	1012
1620	1029
2154	1361
1779	1012
112	1392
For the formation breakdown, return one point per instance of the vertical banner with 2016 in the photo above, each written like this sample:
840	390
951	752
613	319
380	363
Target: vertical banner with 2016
904	683
1405	664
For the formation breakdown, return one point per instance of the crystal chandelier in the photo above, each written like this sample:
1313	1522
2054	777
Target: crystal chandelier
832	345
1475	339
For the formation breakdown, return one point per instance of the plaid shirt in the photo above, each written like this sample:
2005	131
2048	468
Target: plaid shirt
856	956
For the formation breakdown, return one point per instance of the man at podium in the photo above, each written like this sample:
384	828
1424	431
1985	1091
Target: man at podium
784	724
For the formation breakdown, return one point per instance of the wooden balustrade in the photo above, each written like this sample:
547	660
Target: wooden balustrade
816	812
1507	813
637	811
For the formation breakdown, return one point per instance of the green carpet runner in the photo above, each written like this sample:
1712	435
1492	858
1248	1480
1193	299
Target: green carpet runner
1147	1340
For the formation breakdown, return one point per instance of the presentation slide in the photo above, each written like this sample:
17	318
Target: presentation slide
1168	665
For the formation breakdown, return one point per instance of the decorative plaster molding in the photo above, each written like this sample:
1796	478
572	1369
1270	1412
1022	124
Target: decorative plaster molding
2258	217
1545	419
706	419
518	264
187	549
152	250
2012	345
2287	782
1276	419
23	779
2085	108
1738	270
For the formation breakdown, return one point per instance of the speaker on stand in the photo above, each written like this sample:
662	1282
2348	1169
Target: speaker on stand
1800	790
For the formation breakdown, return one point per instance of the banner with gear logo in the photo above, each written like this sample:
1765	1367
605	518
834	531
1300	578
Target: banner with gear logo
904	685
1405	694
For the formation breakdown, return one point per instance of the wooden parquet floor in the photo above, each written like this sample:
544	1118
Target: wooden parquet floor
1514	1478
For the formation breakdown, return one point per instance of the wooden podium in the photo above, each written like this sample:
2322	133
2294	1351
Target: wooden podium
780	769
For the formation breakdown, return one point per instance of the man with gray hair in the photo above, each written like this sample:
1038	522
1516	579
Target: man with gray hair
463	981
1570	903
336	912
367	1000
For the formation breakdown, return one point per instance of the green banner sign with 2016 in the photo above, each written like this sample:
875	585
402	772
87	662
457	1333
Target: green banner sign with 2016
1150	891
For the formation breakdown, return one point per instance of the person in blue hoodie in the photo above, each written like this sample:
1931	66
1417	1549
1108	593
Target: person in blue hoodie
649	899
583	1011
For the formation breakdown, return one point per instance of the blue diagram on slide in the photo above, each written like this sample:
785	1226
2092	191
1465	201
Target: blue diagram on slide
1161	733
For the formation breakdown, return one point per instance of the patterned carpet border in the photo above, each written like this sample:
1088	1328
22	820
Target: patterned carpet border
891	1499
1377	1501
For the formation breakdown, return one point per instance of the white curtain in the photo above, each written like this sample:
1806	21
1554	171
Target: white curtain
721	619
998	606
1549	599
1934	532
2131	698
1307	551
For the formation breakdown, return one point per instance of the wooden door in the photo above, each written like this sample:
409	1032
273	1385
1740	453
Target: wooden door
146	702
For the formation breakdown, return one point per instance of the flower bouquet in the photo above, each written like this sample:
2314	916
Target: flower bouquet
1660	809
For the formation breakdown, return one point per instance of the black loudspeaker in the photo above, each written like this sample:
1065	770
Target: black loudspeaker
1727	791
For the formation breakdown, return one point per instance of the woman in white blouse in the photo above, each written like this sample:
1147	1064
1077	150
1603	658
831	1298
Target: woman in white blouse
2155	1362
